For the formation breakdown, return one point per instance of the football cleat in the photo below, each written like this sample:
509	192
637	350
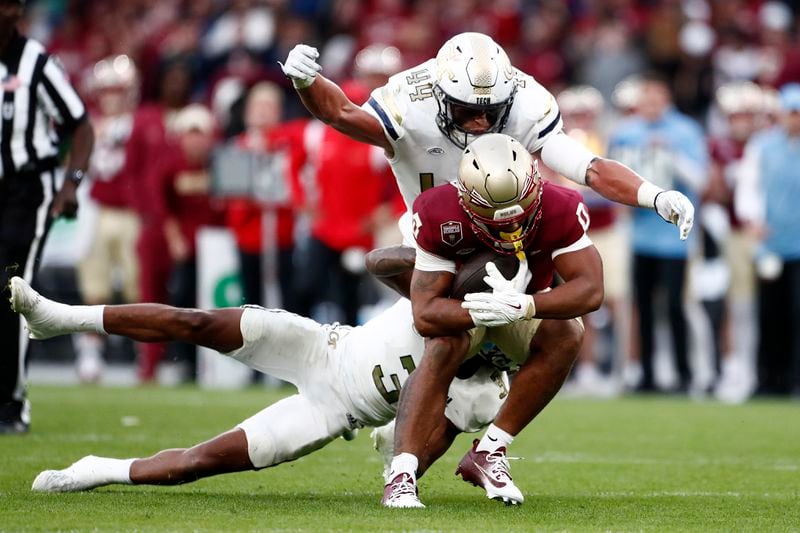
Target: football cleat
42	321
383	441
401	493
490	471
81	475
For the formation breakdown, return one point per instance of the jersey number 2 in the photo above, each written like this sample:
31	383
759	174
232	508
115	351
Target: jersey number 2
391	396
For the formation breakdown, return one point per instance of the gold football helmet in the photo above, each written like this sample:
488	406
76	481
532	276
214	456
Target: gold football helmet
501	191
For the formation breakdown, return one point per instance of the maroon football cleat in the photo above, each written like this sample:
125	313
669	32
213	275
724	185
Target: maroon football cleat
490	471
401	493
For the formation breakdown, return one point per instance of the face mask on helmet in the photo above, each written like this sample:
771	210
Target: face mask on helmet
474	89
508	236
500	190
461	122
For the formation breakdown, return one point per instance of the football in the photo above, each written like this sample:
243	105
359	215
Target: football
469	278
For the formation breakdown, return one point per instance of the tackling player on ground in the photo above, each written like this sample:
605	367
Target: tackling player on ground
426	115
346	378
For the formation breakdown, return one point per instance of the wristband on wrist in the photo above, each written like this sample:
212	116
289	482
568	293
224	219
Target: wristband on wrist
647	193
75	176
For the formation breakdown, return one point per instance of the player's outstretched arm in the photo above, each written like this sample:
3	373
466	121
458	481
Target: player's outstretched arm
328	103
615	181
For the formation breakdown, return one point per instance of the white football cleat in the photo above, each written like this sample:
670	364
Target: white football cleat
490	471
401	493
81	475
42	321
383	441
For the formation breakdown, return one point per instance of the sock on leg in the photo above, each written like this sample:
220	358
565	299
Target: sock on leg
87	318
74	318
493	439
101	471
404	463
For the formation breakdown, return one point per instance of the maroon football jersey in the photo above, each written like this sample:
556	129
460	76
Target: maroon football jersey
442	228
727	153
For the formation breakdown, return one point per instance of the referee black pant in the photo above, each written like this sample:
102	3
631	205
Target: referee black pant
25	201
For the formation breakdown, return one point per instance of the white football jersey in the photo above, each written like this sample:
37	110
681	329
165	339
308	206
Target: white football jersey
379	356
423	156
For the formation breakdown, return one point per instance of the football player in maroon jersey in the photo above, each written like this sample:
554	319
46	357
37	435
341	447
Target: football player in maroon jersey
500	202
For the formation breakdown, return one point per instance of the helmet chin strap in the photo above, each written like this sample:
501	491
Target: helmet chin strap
515	238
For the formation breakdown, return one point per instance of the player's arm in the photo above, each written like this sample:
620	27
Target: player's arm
328	103
615	181
435	313
582	290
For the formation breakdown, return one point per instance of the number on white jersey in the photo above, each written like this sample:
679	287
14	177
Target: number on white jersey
391	396
422	87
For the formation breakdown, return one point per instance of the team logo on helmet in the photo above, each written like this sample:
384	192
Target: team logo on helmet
452	233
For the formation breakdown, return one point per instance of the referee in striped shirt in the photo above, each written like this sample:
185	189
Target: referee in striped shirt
39	111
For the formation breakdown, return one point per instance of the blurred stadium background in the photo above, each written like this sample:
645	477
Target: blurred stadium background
278	197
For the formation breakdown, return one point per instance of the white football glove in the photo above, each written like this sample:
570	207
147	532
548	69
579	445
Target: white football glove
498	308
483	317
675	207
507	302
518	283
301	65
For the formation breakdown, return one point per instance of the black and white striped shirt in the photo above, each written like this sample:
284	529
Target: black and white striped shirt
38	101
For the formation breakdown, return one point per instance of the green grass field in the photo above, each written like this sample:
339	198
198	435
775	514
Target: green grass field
623	465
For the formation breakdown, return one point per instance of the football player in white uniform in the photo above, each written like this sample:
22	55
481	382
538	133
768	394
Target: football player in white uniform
346	378
423	118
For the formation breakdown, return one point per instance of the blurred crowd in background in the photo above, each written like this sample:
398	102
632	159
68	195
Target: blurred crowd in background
196	126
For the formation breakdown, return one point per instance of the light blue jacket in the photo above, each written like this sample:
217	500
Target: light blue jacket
779	180
672	154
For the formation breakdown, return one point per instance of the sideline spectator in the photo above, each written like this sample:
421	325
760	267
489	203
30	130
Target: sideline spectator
113	85
150	144
182	184
725	279
273	147
767	202
669	148
582	106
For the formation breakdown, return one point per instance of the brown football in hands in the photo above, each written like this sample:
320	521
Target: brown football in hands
469	278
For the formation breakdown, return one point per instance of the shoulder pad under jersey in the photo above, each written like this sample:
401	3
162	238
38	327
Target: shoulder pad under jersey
535	115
